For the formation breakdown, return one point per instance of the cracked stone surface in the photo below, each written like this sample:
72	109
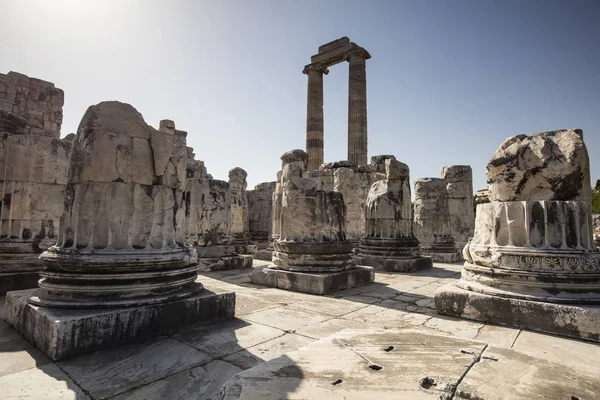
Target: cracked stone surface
274	327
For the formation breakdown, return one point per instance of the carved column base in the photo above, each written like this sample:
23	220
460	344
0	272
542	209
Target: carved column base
313	256
120	278
394	255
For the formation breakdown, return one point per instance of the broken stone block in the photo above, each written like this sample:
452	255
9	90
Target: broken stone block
311	235
238	210
532	263
459	185
260	208
389	243
432	220
120	247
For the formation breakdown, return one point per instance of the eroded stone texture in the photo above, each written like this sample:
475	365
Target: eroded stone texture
33	176
432	220
389	242
238	209
544	166
311	234
121	238
536	253
260	208
38	102
459	184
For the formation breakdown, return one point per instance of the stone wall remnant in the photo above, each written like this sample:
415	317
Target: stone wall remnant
532	262
459	184
239	221
432	220
389	242
260	208
311	236
33	176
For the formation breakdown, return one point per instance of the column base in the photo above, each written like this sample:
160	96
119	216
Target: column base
443	257
394	264
224	263
63	333
263	254
578	321
320	283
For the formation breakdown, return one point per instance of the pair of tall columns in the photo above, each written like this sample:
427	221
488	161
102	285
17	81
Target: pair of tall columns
357	110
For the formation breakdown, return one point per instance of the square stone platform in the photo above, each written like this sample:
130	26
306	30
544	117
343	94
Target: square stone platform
62	333
394	265
578	321
312	282
224	263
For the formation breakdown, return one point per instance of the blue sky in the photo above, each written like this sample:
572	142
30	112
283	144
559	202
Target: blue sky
447	83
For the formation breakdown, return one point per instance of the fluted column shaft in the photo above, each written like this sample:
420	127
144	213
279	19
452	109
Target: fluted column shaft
357	107
314	115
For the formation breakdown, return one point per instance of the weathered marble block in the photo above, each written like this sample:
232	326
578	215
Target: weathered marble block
260	208
432	220
311	236
532	261
239	221
459	185
121	243
389	242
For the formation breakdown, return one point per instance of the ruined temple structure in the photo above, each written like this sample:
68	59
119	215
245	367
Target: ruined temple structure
33	176
239	222
121	268
260	209
330	54
432	221
208	220
531	262
311	253
459	185
389	243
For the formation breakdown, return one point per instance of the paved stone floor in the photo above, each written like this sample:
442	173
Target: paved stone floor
194	364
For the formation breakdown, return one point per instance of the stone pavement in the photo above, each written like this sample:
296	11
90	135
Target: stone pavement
194	364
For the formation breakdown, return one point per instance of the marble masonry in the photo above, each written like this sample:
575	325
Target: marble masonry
208	220
312	254
121	268
33	176
328	55
459	184
260	209
532	262
389	243
239	221
432	221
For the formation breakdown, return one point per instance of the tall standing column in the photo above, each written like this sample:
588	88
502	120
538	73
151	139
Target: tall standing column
314	114
357	106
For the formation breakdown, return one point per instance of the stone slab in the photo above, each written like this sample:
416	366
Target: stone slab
507	374
394	264
63	333
224	263
45	382
286	318
18	281
18	355
361	364
197	383
266	351
263	254
320	283
576	321
227	337
108	373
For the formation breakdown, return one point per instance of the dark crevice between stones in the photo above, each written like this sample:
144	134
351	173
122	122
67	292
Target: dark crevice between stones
388	349
336	382
375	367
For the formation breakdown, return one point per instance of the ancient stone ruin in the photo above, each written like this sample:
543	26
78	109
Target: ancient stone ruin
260	209
330	54
432	220
121	268
312	254
239	221
459	185
208	219
532	262
389	242
33	176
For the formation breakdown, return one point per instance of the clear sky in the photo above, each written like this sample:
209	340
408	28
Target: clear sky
448	81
